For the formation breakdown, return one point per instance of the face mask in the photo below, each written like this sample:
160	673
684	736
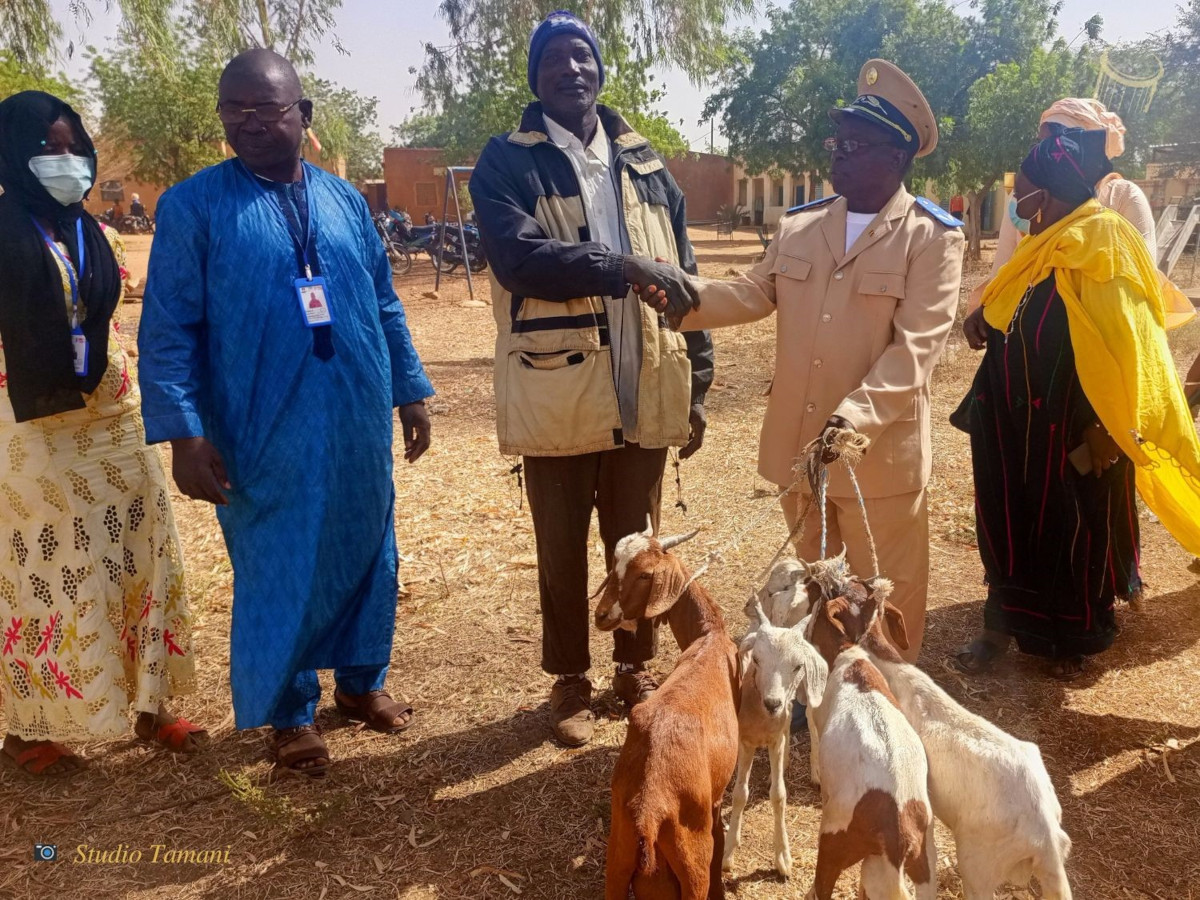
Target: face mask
1022	225
65	178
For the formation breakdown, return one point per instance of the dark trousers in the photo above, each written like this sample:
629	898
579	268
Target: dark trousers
623	486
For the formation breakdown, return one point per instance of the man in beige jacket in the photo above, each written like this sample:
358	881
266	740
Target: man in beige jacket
865	285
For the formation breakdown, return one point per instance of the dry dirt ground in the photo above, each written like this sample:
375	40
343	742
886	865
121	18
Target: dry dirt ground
475	801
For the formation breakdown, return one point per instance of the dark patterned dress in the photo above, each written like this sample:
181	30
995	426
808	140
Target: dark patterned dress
1058	548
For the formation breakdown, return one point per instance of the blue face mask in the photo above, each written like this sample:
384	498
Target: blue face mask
66	178
1022	225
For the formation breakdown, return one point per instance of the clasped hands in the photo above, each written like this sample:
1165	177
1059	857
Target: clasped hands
663	287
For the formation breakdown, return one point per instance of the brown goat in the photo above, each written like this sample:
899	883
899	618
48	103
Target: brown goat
667	838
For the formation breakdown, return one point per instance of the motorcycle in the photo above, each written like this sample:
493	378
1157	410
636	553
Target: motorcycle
126	224
399	255
463	245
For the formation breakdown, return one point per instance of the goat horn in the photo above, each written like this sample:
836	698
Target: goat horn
808	570
649	532
676	539
841	557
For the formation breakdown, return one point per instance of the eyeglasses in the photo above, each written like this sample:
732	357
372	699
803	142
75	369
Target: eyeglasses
849	145
268	113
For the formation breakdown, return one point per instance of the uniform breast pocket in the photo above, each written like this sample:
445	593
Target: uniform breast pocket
790	267
880	292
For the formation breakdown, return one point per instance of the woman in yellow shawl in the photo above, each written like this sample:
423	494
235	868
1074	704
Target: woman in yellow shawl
1076	403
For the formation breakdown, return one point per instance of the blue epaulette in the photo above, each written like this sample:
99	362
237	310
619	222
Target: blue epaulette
938	213
815	204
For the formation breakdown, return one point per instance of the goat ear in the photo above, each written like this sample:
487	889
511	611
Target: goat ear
754	612
895	621
816	675
665	587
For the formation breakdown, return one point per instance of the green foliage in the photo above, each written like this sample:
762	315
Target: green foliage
164	118
688	34
1013	93
346	124
778	87
17	76
28	31
1174	114
292	28
158	96
476	86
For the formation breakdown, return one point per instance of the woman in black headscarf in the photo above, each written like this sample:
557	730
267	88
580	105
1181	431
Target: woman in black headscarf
93	613
1076	407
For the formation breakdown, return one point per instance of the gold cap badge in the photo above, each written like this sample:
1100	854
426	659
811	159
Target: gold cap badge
872	75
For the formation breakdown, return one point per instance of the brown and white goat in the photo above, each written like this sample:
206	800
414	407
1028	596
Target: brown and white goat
666	838
874	795
990	789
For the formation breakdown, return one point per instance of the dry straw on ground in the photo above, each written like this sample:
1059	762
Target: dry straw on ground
475	802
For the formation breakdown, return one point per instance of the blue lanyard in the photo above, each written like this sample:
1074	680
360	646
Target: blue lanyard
303	234
71	277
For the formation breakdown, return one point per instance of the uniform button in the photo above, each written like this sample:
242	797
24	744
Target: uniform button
816	364
783	268
812	407
882	288
827	318
837	276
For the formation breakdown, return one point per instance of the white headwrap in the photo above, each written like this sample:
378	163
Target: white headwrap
1089	114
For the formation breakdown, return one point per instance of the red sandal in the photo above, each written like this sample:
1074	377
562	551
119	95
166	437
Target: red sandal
174	736
37	759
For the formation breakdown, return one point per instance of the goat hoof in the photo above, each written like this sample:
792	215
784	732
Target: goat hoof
783	864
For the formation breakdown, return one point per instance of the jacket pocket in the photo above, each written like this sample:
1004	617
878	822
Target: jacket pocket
559	403
882	284
793	267
548	361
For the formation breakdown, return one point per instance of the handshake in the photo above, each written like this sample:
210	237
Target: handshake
663	287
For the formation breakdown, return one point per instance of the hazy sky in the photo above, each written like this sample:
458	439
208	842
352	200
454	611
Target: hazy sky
384	38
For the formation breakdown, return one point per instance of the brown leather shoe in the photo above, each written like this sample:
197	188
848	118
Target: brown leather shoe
571	716
634	687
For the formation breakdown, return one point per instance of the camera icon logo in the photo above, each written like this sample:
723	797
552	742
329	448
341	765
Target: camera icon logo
45	852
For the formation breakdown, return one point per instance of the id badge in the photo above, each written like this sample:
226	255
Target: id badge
79	343
314	302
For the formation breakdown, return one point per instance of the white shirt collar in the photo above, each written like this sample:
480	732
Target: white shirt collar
560	137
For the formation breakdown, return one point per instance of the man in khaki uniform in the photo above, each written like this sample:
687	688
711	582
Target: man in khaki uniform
865	285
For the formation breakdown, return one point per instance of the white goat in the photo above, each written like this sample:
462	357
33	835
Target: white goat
776	662
990	789
874	779
787	596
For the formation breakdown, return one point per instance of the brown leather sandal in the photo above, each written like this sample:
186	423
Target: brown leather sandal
377	709
299	745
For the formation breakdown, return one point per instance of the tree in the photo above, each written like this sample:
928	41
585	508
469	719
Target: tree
16	76
291	28
29	30
347	126
688	34
777	89
1003	109
163	117
476	85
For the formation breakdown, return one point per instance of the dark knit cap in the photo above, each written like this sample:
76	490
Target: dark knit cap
560	22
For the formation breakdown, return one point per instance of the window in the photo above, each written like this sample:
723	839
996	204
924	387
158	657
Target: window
743	186
426	195
798	199
819	190
777	192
